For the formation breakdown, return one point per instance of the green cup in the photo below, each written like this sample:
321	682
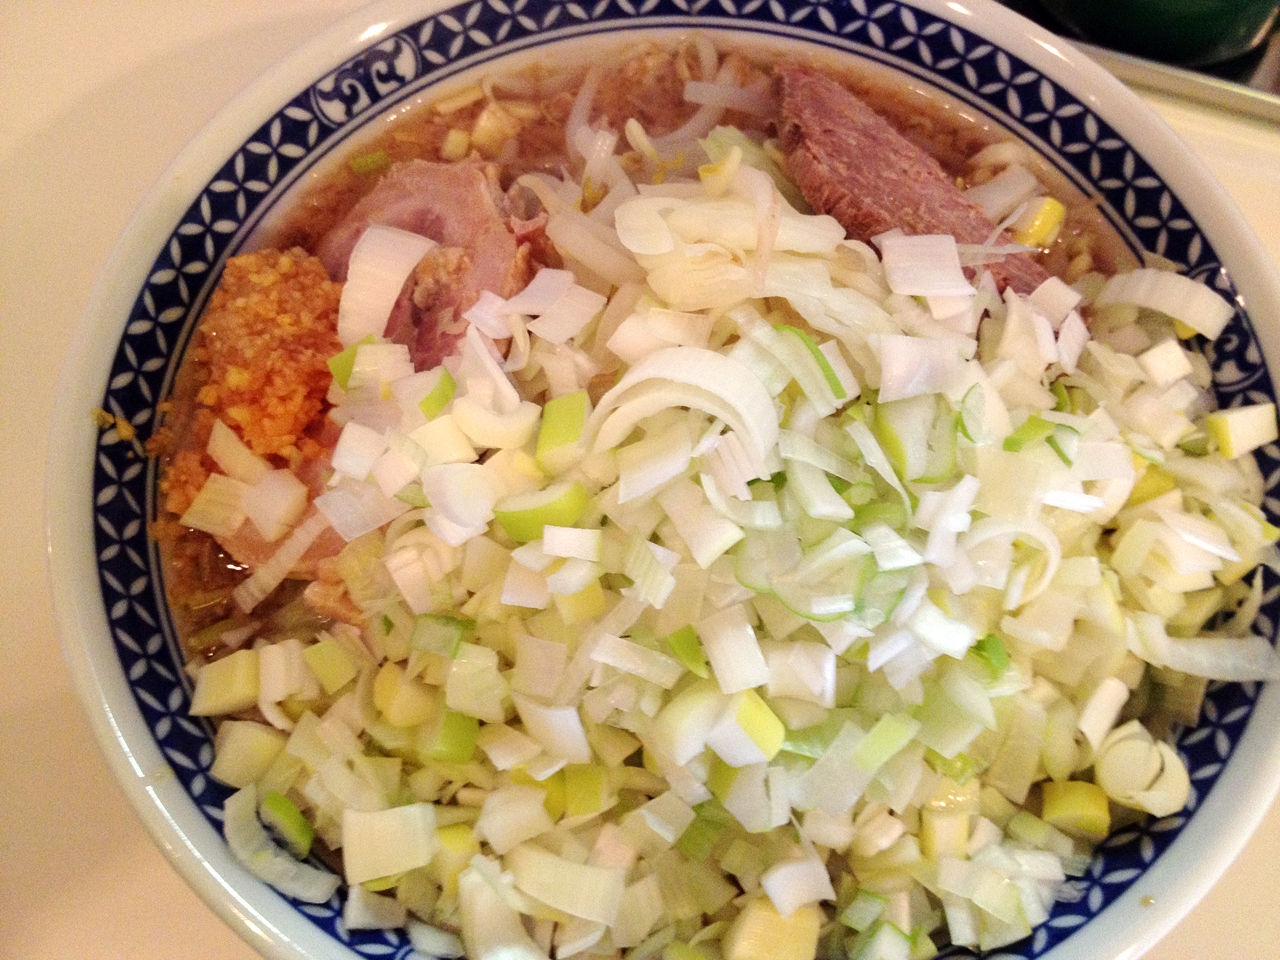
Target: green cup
1188	32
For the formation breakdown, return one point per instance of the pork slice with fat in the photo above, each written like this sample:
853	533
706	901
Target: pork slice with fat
481	247
851	163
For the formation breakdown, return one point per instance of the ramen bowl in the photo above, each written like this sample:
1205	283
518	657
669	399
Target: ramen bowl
117	631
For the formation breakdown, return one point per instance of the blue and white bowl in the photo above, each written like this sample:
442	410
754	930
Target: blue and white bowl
117	632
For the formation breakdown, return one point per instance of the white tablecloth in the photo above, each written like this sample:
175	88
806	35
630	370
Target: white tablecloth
95	99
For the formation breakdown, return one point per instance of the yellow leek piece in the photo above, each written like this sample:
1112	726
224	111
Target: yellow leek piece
1040	225
456	144
330	662
687	647
944	833
227	685
494	126
456	844
993	805
402	700
683	951
1078	808
1199	606
244	751
760	723
373	162
383	884
1240	430
384	771
587	604
760	932
553	790
585	789
717	177
1153	482
720	778
1234	570
747	732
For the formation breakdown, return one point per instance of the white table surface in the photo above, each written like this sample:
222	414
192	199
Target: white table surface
95	99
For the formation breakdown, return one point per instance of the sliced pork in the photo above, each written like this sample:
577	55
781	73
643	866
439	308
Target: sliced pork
849	162
483	246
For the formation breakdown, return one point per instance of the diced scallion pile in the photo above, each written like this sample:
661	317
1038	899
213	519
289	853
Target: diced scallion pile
743	591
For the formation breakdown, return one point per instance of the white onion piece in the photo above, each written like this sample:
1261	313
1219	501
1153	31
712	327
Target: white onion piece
875	457
270	574
233	456
640	661
581	108
480	372
648	463
593	245
705	532
464	492
582	890
353	509
380	262
924	265
597	146
697	126
218	506
1100	711
582	544
812	488
731	647
720	386
379	363
641	226
365	910
1004	192
992	528
728	95
790	884
357	450
1172	294
1236	659
522	587
558	729
492	429
753	514
506	747
1072	337
546	287
568	315
1138	771
491	927
432	941
911	366
1055	299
